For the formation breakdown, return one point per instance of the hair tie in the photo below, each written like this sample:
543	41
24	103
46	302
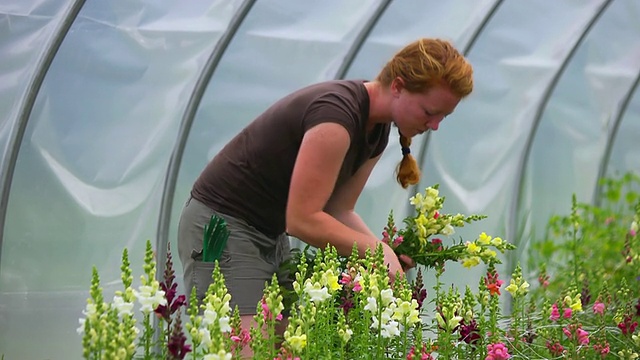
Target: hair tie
406	151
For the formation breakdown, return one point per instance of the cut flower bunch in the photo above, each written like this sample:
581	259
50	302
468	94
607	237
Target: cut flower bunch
347	308
420	240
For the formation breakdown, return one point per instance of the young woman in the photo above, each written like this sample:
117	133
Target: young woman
300	166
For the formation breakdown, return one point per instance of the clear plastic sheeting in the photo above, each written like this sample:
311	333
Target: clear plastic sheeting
92	162
555	107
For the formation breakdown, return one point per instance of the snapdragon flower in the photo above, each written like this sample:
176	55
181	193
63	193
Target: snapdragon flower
150	296
517	285
407	310
220	355
123	307
497	351
211	315
316	292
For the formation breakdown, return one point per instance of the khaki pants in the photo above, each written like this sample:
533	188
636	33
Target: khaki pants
248	261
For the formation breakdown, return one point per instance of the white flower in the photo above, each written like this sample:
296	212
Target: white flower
150	297
634	227
224	324
206	337
209	315
89	312
80	330
317	292
387	313
390	329
387	297
123	307
372	304
448	230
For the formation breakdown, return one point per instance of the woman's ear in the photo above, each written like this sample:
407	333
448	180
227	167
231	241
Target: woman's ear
396	86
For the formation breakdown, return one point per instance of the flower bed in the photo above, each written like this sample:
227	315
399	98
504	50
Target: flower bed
585	302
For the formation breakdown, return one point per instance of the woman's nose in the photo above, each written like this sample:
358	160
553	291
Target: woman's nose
434	123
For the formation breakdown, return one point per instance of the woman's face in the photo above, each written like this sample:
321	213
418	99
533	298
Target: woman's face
415	113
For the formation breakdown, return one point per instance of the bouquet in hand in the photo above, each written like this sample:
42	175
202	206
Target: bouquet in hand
420	238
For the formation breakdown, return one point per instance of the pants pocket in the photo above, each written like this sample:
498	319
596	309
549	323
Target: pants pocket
201	277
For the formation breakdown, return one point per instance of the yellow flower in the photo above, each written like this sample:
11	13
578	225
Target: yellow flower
473	248
431	192
512	288
421	224
484	239
471	262
345	334
497	242
297	342
489	253
331	280
577	305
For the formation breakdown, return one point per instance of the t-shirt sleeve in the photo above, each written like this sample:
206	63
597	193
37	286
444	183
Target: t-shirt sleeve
331	108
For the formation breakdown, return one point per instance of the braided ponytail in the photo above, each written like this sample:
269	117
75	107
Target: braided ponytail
407	172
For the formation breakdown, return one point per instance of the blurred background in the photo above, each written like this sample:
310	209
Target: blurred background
109	110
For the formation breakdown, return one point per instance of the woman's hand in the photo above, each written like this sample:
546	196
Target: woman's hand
406	261
392	261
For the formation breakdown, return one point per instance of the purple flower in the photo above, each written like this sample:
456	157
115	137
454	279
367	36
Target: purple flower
177	345
469	333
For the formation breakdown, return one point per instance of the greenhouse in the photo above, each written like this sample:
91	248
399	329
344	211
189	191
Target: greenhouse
110	110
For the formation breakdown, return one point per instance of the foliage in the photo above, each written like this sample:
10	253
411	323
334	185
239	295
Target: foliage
586	304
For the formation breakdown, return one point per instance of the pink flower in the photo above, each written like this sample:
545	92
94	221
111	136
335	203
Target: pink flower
567	332
397	241
555	348
583	336
436	215
267	313
424	355
598	308
603	349
555	314
497	351
567	313
543	279
243	338
357	287
345	279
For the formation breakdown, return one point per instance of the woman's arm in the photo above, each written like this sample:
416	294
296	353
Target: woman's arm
318	164
342	203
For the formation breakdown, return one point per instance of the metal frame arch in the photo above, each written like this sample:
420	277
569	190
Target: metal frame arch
619	115
26	107
519	183
185	127
360	39
422	152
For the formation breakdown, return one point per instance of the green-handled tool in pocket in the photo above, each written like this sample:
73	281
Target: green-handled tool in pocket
215	239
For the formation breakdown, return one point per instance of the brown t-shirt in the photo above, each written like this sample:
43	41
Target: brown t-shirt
249	178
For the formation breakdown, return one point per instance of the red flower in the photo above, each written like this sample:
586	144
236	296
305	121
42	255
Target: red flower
555	348
493	283
626	326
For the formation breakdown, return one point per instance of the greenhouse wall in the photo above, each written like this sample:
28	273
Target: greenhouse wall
109	110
